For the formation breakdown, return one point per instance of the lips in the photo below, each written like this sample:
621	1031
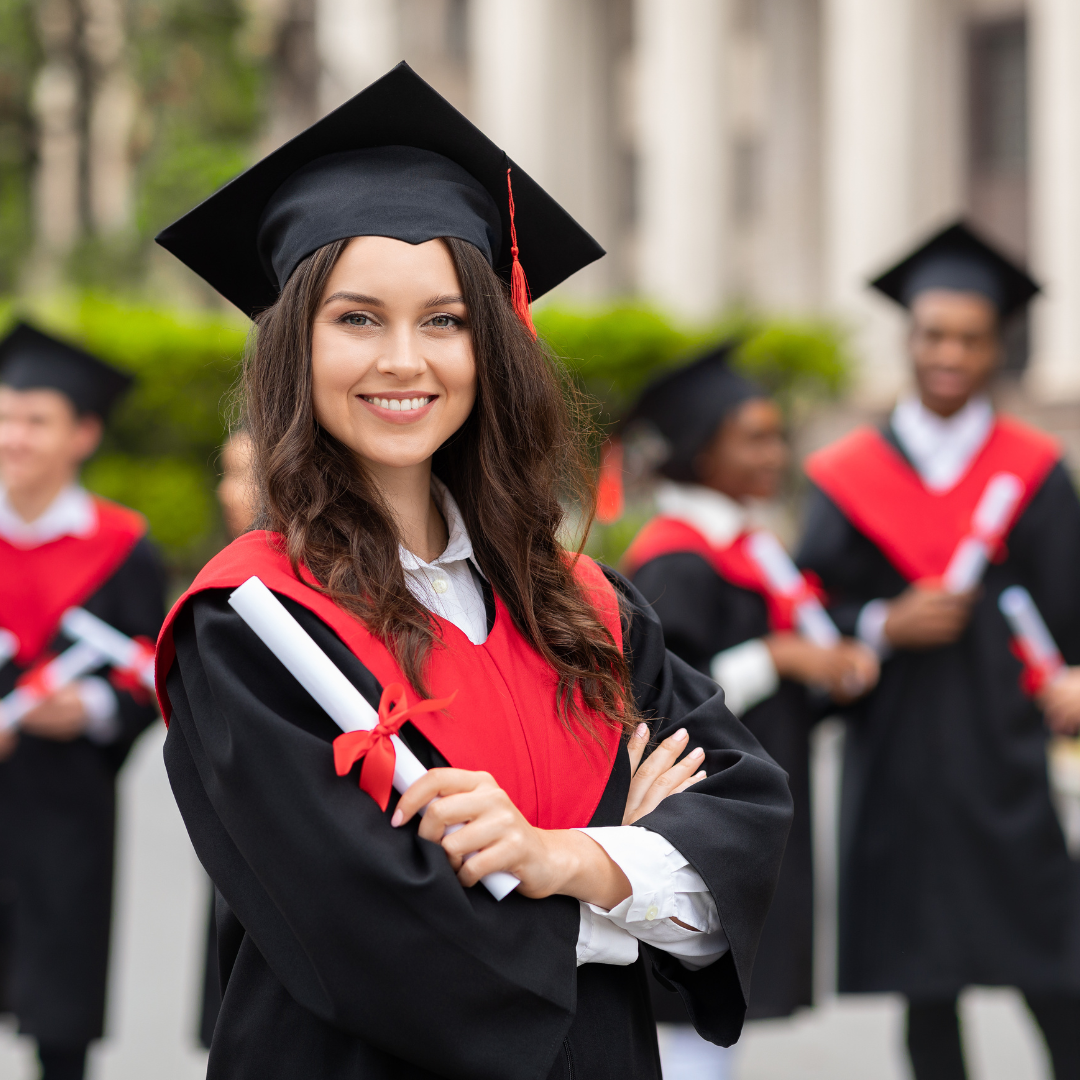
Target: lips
400	408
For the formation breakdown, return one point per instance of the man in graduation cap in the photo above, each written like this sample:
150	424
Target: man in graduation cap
62	547
954	867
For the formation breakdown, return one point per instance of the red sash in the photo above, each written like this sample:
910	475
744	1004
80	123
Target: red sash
504	718
918	529
734	563
37	585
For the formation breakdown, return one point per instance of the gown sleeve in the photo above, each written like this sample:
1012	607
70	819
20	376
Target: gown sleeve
365	925
731	827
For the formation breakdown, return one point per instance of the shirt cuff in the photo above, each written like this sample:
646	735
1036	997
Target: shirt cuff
870	627
101	708
746	673
600	941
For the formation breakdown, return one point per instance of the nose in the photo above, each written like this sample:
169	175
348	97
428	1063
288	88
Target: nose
402	356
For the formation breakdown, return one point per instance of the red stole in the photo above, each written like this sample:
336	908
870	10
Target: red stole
504	718
918	529
670	536
37	585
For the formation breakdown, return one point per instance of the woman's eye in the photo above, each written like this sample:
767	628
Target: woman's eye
356	318
442	322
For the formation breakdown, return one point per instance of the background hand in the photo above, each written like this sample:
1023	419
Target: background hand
1060	702
61	716
923	618
8	741
846	670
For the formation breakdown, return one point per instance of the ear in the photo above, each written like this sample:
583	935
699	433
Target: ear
88	431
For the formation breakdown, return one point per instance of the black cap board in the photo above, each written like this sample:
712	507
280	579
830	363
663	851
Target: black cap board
958	259
396	160
687	406
32	360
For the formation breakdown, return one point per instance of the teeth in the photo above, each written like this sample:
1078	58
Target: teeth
399	404
395	405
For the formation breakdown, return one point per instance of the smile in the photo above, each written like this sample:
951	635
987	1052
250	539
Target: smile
399	404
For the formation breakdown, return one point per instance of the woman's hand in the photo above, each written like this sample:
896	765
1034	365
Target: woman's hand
847	670
661	775
60	717
1060	702
495	836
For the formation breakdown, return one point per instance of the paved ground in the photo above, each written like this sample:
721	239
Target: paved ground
161	905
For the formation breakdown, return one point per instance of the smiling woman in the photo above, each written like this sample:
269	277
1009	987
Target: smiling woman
411	440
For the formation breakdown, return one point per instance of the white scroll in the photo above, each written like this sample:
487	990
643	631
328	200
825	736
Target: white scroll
992	515
784	578
70	665
122	652
1033	637
324	681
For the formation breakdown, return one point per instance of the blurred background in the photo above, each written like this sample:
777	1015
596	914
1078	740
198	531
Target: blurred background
746	163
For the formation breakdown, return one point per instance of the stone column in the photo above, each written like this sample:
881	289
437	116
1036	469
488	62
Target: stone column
357	41
682	154
1054	371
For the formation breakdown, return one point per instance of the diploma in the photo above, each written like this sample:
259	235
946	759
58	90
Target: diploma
784	578
58	672
988	524
124	653
1033	638
323	680
9	646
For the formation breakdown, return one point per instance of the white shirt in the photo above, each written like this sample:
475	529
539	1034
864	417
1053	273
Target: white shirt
940	448
745	671
71	513
663	884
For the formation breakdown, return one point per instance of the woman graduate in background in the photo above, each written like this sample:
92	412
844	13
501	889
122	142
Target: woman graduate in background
410	439
717	442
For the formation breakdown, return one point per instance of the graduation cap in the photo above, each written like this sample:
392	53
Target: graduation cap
957	259
32	360
396	160
682	410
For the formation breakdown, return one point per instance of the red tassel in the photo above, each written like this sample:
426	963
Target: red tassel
519	287
609	489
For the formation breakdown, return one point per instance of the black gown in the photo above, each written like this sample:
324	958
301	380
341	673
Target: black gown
954	869
703	614
57	830
349	949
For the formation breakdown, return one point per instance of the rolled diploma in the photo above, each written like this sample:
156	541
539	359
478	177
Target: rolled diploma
120	650
9	646
812	619
322	679
992	514
1032	634
65	668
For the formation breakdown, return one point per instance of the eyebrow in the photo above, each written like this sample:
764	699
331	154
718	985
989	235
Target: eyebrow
374	301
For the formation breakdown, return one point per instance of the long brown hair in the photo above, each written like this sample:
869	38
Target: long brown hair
522	447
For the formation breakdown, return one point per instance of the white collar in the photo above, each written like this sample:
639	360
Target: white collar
716	516
458	547
71	513
942	447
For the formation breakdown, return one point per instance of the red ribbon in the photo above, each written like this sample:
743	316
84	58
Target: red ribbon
129	678
36	681
375	747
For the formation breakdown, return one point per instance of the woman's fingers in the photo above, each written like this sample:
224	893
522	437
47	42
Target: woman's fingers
666	784
636	744
690	783
659	760
437	783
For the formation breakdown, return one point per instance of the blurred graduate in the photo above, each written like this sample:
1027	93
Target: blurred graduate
409	442
717	443
954	867
62	547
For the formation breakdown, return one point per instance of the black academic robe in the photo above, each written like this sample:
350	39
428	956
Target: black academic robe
57	821
703	614
348	948
954	869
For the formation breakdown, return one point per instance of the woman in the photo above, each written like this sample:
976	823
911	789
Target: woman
721	446
409	440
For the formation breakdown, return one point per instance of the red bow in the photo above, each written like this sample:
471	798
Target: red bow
377	772
129	678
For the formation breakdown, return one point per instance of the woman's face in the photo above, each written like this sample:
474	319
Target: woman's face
748	454
393	371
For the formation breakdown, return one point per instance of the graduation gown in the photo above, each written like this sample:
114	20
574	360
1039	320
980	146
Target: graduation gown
348	948
702	613
954	869
58	799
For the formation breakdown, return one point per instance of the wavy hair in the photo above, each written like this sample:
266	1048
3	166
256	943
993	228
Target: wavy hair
519	456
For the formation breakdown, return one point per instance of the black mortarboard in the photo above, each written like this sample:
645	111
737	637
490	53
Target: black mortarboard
31	360
686	407
956	258
396	160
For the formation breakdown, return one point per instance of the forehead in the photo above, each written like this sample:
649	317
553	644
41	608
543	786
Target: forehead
371	263
954	309
38	403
